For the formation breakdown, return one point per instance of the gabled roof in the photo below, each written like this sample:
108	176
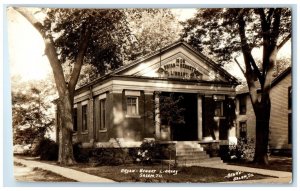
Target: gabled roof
281	76
212	64
208	61
275	81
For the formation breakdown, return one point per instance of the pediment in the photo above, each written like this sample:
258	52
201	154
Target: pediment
178	62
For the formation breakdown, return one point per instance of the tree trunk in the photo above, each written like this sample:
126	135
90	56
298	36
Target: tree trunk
65	154
262	112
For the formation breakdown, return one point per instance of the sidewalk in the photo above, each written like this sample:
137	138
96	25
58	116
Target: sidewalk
281	177
66	172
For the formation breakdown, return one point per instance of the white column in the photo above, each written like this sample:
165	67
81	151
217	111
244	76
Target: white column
199	114
157	115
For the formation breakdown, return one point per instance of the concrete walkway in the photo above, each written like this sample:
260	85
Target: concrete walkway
66	172
281	176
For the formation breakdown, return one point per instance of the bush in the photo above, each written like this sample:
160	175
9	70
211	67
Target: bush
109	156
148	151
243	150
81	155
47	149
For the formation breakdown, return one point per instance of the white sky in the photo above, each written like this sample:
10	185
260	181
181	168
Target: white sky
26	47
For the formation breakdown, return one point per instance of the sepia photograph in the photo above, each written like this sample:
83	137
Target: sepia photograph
151	95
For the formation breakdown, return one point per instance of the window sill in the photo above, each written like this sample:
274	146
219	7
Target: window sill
84	133
75	133
133	116
102	130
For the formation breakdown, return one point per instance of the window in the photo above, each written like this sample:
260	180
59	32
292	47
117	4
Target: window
132	106
219	109
290	98
290	128
243	103
243	129
102	114
84	118
75	127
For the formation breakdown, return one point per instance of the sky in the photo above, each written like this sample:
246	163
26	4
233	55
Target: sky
26	47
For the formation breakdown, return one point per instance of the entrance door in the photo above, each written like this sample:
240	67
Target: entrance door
188	130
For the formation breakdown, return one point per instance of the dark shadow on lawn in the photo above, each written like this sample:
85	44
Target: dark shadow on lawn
280	163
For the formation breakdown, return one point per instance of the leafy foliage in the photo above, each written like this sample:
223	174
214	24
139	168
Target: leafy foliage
47	149
171	111
107	33
31	111
228	32
148	151
217	31
243	150
152	29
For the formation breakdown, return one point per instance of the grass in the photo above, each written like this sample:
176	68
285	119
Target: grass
279	163
26	174
183	175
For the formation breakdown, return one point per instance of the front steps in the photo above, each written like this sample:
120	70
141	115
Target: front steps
190	153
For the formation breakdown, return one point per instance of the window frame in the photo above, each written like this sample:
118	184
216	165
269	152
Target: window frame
102	110
244	98
132	94
132	115
84	117
290	128
221	108
243	129
75	119
290	101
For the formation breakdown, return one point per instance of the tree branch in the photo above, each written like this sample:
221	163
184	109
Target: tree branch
284	41
50	51
85	35
236	61
256	69
35	23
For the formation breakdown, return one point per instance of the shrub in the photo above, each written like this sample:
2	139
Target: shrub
47	149
148	151
107	156
243	150
81	155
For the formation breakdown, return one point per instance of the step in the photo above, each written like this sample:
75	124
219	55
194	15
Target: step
188	145
195	153
210	161
192	157
183	152
188	149
199	164
201	161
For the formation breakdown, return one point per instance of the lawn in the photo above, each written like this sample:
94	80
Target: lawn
279	163
25	174
157	173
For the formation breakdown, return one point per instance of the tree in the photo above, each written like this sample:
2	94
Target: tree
152	29
31	111
77	36
226	33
